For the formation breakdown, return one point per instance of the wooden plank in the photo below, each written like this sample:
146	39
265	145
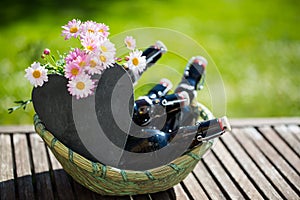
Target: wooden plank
222	177
54	162
141	197
244	122
288	137
236	172
160	196
7	187
194	188
295	130
44	188
62	181
100	197
207	182
278	160
62	185
234	122
281	147
172	194
264	164
17	129
180	193
82	193
254	173
240	122
23	168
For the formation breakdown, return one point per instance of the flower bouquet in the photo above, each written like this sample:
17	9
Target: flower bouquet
82	102
97	53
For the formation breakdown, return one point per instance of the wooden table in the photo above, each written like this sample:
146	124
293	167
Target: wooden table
259	159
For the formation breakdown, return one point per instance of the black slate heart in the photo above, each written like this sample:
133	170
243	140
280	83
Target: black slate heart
54	106
99	127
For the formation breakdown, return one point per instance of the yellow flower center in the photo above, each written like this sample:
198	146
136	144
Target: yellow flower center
74	71
81	64
101	31
128	44
89	47
36	74
80	85
103	48
91	31
102	58
93	63
73	29
135	61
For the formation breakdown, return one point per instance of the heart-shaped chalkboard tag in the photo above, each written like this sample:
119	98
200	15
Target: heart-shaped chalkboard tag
67	117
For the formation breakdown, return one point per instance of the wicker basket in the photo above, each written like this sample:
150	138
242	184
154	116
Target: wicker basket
107	180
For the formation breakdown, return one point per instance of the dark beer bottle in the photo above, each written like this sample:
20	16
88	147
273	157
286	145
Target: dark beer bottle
161	89
152	54
193	76
146	108
193	135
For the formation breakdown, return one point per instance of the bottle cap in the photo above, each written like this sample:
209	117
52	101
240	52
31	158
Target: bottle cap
160	45
224	123
166	83
195	71
200	60
184	96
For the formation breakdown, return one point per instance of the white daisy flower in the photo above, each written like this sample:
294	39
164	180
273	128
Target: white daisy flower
90	42
94	65
36	74
72	29
130	42
81	86
106	59
103	30
107	46
137	61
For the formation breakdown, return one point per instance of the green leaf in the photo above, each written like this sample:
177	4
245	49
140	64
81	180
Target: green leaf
21	104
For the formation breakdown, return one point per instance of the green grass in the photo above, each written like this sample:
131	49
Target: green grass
254	44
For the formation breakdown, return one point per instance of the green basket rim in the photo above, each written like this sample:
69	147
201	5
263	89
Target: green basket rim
107	172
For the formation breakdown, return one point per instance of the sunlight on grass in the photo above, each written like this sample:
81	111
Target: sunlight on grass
254	44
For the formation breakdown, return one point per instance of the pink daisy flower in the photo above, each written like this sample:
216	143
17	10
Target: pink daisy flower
103	30
74	54
94	66
81	61
90	42
72	29
89	27
130	42
81	86
72	70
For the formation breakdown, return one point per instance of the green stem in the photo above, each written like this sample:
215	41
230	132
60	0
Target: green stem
21	104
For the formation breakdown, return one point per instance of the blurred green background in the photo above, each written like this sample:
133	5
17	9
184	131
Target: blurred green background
254	44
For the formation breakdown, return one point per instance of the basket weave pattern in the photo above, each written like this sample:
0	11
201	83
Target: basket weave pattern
107	180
